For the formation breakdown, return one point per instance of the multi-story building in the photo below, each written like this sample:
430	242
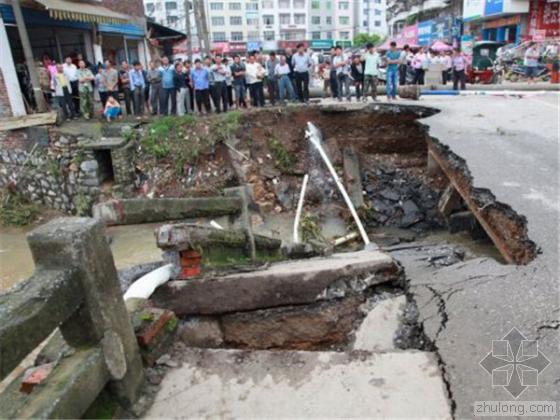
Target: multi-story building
170	13
331	20
370	17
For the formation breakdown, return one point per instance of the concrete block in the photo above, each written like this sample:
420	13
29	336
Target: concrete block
283	284
299	384
377	330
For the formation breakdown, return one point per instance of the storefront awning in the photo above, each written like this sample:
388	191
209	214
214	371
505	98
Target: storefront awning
82	12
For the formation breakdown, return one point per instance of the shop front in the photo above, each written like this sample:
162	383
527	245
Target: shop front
544	20
321	44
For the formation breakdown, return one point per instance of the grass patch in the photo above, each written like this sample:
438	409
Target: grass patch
16	210
311	228
283	160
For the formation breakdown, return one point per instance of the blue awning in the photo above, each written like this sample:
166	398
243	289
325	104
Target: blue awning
127	29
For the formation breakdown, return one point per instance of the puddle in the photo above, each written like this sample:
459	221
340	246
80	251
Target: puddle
131	245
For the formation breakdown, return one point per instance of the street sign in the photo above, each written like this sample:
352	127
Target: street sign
321	44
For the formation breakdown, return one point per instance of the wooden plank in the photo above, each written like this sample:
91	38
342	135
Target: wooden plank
32	310
502	246
449	201
15	123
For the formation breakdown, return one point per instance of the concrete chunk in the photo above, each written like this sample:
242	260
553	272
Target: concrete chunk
299	384
283	284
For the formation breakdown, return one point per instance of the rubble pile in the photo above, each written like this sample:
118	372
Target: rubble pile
399	199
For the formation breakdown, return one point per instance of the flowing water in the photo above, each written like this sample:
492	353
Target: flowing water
131	245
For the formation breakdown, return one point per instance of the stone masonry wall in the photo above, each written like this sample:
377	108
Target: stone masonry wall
61	176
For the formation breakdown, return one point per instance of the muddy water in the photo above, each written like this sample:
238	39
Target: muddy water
130	245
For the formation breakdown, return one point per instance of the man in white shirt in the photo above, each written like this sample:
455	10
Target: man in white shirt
302	64
372	61
342	65
405	59
71	72
254	76
282	73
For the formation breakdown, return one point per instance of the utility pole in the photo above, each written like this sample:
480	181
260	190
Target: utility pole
24	38
188	29
203	34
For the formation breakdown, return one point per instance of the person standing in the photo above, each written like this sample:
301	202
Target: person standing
254	75
419	66
124	82
301	64
137	86
393	60
63	93
325	75
271	80
285	86
531	62
200	84
71	72
168	98
459	66
372	62
219	74
111	80
289	54
180	83
101	85
333	79
357	73
447	63
405	59
85	77
238	73
229	81
342	74
187	72
154	78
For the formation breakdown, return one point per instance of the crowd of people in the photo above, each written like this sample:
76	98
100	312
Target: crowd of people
218	83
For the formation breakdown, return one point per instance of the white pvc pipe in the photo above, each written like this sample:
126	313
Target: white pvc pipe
147	284
300	208
314	136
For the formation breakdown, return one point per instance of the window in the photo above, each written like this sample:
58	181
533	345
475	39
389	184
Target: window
218	36
218	21
365	23
254	21
237	36
299	19
252	6
150	8
268	19
329	35
377	12
315	20
235	20
299	4
344	35
377	23
268	4
284	4
269	35
315	4
343	5
315	35
328	20
343	20
284	19
328	5
216	6
172	20
235	6
170	5
253	36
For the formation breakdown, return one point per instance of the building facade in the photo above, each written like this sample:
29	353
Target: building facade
170	13
98	29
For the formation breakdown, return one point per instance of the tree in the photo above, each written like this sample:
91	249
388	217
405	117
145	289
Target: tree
364	38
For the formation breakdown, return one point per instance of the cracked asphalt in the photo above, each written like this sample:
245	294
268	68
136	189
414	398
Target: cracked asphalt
511	146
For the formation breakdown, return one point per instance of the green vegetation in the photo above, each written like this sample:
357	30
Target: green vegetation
184	139
53	168
83	204
311	228
16	210
282	158
171	325
362	39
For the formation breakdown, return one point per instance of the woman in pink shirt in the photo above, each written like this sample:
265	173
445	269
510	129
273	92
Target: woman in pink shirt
459	62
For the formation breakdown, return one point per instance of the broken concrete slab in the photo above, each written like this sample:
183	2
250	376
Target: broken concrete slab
233	383
283	284
352	177
140	210
377	330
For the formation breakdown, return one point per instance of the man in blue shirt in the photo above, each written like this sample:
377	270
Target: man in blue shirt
393	61
137	84
201	83
168	91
